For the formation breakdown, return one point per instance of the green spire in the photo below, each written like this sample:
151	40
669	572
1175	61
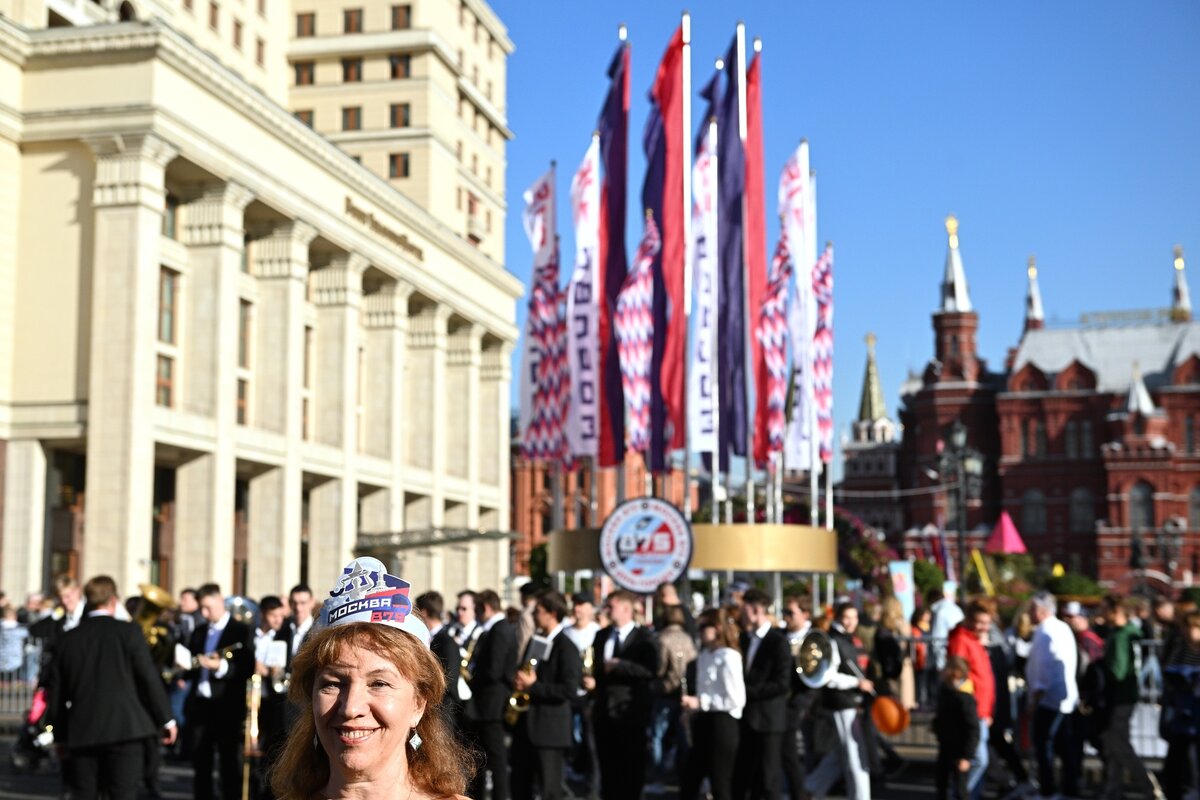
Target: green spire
871	407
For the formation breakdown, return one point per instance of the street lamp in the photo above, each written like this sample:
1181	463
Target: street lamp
966	464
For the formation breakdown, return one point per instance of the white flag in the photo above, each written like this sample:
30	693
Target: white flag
541	400
797	208
702	374
583	310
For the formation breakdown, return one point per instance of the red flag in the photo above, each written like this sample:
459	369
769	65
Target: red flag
756	244
668	94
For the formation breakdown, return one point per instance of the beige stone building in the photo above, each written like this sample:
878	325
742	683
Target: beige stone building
227	350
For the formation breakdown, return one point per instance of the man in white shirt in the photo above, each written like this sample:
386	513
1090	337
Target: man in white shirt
1053	694
945	617
582	630
302	605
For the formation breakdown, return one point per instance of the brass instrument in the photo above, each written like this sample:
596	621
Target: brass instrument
225	653
250	746
464	670
518	702
589	662
817	659
154	601
281	679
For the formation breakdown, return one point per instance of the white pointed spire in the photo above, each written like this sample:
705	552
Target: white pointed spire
954	285
1035	317
1181	298
1138	401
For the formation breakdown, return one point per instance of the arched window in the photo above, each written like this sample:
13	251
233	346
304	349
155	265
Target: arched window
127	13
1071	434
1194	508
1039	431
1141	506
1033	512
1083	511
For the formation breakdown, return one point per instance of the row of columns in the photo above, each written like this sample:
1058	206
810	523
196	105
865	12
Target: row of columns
418	378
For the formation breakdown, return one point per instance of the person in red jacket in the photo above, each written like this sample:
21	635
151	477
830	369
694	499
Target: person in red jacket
969	641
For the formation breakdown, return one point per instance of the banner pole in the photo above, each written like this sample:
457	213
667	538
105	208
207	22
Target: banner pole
748	331
686	25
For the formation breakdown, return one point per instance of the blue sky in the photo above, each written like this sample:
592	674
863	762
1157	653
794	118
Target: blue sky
1069	130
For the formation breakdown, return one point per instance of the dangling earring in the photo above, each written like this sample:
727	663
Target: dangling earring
415	740
316	742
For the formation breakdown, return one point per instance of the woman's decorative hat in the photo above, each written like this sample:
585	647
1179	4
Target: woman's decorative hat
367	593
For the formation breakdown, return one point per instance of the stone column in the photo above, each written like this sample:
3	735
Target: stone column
24	518
279	260
426	406
495	377
462	397
385	317
127	202
204	486
334	524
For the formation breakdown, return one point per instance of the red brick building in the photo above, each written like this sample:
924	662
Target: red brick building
1088	437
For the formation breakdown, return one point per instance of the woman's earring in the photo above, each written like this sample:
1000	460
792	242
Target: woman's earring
316	742
415	740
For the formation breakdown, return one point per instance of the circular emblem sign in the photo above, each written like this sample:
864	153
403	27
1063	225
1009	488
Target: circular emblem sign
645	543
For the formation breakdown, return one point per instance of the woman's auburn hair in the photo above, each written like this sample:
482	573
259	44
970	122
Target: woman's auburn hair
440	767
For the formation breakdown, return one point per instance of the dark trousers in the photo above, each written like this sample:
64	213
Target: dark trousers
112	769
488	737
951	783
215	733
151	761
758	772
715	737
1001	743
546	763
1119	757
1177	767
621	747
272	735
789	757
1054	733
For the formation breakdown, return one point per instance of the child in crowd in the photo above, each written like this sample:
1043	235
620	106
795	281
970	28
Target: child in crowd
956	726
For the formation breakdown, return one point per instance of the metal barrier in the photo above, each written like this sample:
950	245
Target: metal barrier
17	686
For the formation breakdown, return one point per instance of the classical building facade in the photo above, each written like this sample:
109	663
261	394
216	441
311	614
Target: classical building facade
228	351
1088	437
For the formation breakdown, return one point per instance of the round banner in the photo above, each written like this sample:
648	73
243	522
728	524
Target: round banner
645	543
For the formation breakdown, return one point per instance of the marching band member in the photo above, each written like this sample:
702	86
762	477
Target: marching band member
768	682
493	666
429	608
842	698
269	665
542	735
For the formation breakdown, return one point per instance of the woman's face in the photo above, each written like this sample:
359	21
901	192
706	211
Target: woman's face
364	711
708	636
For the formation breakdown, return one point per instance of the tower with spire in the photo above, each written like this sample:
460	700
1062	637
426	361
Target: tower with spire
870	457
955	323
1181	299
1035	317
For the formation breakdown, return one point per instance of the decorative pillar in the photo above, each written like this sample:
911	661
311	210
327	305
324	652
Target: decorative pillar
495	376
426	445
127	202
204	486
337	292
279	260
385	319
24	518
463	359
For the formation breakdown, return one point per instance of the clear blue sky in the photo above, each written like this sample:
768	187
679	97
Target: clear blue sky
1069	130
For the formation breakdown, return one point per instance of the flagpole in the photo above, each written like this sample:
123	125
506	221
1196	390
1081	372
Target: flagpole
717	491
740	70
686	26
556	466
814	454
623	36
828	469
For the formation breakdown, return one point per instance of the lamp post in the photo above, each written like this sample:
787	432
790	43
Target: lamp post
967	467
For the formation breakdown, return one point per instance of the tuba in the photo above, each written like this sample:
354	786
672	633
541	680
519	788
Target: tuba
518	702
817	659
153	602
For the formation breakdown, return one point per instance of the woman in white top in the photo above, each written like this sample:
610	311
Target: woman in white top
714	699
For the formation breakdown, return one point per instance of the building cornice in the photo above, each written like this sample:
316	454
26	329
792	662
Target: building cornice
14	41
493	24
156	36
486	106
377	43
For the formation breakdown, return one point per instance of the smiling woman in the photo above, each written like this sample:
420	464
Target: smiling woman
369	725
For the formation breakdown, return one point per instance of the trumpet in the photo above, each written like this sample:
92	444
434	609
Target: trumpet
225	653
589	662
518	702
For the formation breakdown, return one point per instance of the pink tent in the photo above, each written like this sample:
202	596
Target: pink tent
1004	538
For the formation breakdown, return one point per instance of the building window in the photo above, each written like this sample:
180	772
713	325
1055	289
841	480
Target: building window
401	66
1082	511
1189	435
458	150
488	179
1139	425
1039	430
461	59
304	73
356	159
170	221
214	15
260	52
351	70
352	118
352	20
488	94
401	17
243	397
474	164
1071	435
262	8
1033	512
164	382
1086	444
305	116
168	304
237	34
187	5
475	75
1141	506
398	165
401	115
458	199
306	25
1194	508
308	356
954	345
245	316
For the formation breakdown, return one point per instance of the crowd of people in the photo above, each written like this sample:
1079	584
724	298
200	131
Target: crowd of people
571	697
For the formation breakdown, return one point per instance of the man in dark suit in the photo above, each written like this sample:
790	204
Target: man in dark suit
493	665
106	699
629	653
543	733
768	667
216	707
430	608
